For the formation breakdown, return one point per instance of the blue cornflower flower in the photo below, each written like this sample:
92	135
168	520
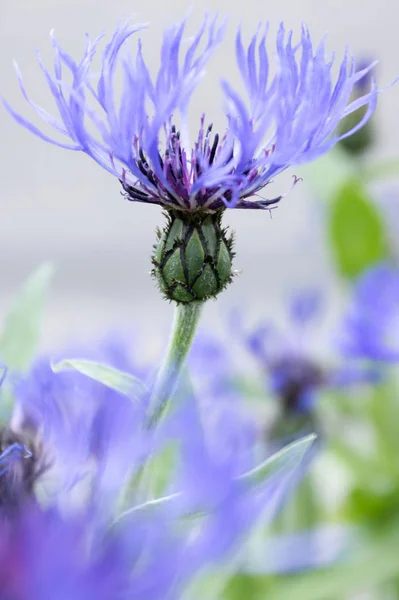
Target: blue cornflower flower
290	117
156	546
92	435
47	554
295	374
370	328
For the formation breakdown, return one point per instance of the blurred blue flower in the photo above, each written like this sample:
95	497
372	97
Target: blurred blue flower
80	547
93	435
371	326
289	118
45	553
97	439
230	421
295	373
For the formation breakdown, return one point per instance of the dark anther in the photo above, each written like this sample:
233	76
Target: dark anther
231	155
142	157
198	169
135	193
213	150
151	178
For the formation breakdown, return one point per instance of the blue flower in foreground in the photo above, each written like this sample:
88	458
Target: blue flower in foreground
91	434
371	326
288	118
45	555
111	537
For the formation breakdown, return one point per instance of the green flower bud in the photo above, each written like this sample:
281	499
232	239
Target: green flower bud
193	257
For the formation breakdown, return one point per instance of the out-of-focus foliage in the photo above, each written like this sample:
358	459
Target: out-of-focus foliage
356	230
21	327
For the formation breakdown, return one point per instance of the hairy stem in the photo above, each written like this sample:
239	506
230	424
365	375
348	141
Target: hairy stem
185	322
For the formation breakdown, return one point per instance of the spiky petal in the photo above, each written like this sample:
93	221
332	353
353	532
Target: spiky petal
288	119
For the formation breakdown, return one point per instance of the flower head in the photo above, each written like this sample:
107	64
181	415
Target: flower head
295	374
290	117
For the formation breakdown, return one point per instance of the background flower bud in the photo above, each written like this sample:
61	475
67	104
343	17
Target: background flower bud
364	138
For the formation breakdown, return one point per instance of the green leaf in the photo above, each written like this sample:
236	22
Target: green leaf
356	230
122	382
283	461
21	330
360	465
383	411
286	459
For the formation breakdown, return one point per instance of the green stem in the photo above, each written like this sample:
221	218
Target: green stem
185	322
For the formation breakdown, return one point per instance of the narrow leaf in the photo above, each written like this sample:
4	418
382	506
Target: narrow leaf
122	382
288	458
21	330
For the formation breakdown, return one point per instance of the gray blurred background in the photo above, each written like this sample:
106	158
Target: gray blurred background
60	205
